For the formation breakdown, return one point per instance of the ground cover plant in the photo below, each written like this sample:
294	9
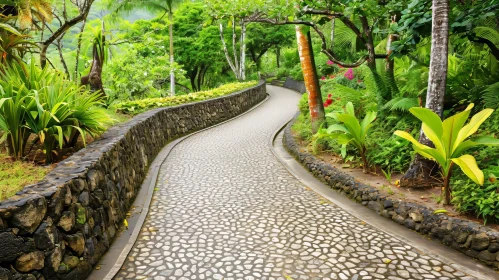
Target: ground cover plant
138	106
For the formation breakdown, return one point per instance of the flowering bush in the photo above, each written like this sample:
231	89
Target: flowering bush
349	74
329	100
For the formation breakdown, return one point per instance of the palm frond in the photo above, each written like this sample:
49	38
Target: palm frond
402	104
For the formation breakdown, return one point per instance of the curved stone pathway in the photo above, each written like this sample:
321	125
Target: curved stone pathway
225	208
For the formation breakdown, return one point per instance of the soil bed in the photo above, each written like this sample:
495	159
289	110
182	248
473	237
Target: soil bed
427	197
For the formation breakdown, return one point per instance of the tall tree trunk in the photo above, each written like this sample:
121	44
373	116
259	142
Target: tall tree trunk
78	49
234	49
192	78
242	66
310	77
382	92
226	52
390	63
172	61
421	170
278	56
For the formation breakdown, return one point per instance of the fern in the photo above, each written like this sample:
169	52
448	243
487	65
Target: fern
344	38
402	104
490	96
487	33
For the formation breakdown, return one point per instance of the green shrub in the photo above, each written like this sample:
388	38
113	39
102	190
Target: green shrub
290	57
282	72
388	151
303	105
296	73
349	130
303	128
43	102
139	106
483	201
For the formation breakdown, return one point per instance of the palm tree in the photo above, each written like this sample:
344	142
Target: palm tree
26	11
165	6
421	170
310	77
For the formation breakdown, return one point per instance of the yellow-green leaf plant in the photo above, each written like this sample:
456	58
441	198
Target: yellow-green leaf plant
350	131
450	138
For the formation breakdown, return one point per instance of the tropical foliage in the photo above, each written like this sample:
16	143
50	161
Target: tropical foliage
348	130
42	102
450	139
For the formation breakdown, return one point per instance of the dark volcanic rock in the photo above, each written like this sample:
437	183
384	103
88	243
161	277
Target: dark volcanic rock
12	246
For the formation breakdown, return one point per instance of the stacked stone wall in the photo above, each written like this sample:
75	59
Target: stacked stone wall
61	227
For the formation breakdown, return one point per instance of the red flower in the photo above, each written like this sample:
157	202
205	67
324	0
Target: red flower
329	95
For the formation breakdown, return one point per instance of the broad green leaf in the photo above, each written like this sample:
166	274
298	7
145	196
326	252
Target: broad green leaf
349	109
337	127
343	151
352	124
433	154
452	126
468	165
473	125
344	139
483	140
432	126
368	119
409	137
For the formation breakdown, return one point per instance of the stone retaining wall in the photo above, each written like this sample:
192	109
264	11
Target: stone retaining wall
60	227
471	238
298	86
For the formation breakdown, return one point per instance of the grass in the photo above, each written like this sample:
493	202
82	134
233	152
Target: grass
15	175
117	117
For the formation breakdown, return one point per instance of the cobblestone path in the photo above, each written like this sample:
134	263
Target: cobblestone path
225	208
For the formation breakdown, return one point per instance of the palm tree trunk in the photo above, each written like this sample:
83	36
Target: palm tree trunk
421	170
310	77
172	70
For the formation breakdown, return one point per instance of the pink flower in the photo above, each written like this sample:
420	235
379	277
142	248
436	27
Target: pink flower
349	74
323	78
329	62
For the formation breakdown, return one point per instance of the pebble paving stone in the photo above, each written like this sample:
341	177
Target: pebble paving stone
225	208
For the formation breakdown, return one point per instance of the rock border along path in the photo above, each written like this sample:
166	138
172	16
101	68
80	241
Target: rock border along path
226	208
